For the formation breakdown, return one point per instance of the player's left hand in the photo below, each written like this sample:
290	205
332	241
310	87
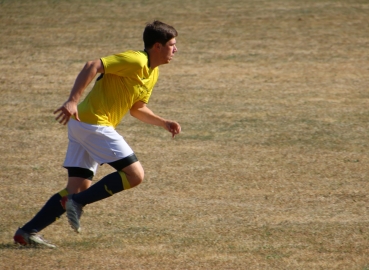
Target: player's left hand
173	127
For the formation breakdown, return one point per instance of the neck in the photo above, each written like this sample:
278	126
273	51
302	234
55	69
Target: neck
148	56
153	61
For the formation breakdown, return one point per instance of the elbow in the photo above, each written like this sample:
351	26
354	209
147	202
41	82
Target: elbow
132	113
95	65
89	64
137	110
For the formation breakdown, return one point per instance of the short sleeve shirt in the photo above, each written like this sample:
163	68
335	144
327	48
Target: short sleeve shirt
126	80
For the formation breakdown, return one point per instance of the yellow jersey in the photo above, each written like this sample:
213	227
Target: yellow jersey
127	79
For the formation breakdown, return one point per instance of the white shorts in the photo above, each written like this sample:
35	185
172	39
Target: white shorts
91	145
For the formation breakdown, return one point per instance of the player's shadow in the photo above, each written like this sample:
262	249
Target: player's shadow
8	246
15	246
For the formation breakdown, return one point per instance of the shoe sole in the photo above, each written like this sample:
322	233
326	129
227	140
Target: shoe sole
71	223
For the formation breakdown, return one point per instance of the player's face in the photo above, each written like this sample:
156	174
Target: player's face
168	50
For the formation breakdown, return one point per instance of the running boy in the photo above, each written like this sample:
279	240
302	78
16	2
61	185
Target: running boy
125	84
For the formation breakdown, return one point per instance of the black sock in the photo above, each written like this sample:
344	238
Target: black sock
49	213
104	188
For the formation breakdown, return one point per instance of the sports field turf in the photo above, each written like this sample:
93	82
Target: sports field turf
270	171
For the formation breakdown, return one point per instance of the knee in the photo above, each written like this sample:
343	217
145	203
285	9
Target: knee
135	174
136	179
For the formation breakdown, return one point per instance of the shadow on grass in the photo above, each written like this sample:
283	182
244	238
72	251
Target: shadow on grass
4	246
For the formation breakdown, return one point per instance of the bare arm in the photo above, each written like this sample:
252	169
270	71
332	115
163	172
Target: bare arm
83	79
140	111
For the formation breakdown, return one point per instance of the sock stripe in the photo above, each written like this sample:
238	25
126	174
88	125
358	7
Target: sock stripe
108	191
63	193
126	184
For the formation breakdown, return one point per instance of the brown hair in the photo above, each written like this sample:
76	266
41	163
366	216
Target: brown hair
158	31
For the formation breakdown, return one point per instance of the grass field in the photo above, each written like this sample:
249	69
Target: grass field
270	171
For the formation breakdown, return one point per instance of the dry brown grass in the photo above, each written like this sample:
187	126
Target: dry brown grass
271	170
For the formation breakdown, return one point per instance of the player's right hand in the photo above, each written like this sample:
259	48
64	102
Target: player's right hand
66	111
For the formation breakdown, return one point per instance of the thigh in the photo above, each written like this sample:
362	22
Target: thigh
77	156
95	145
134	170
109	146
120	164
103	144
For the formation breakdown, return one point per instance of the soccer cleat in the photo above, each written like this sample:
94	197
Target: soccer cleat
74	212
23	238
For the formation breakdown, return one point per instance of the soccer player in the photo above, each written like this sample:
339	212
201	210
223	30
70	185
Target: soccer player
125	84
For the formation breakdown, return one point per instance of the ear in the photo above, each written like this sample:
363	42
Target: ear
157	46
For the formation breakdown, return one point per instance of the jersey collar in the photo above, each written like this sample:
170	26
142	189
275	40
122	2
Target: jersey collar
148	58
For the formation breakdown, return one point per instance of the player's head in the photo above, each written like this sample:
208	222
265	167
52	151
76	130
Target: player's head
158	31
